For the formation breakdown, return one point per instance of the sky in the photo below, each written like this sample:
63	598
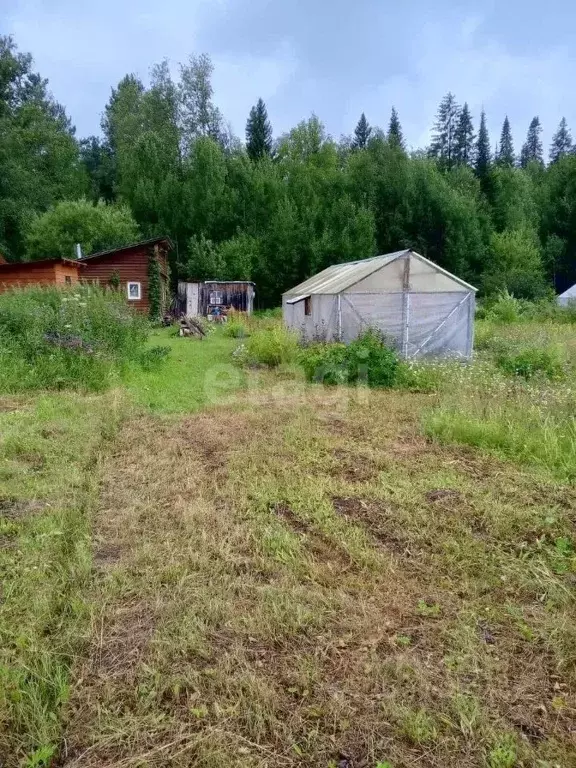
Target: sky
336	59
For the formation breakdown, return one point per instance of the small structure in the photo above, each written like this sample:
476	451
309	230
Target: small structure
22	274
128	269
568	297
203	298
420	307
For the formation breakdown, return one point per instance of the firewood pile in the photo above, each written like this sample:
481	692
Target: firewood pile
191	326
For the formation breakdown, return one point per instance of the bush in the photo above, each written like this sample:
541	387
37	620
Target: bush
53	339
235	329
271	347
531	361
367	360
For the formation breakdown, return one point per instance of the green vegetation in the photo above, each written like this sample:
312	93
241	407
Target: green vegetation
48	488
94	227
345	587
271	346
367	360
55	339
194	373
277	210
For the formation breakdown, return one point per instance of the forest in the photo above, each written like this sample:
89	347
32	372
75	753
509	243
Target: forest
276	209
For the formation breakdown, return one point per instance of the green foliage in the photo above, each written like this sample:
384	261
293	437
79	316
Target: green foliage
152	358
38	152
362	133
271	347
167	155
367	360
531	361
504	752
155	297
95	227
516	265
52	339
235	329
204	261
258	132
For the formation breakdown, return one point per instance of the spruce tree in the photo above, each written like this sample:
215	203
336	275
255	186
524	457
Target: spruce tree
395	135
506	153
464	137
482	149
532	148
362	133
258	132
561	142
443	138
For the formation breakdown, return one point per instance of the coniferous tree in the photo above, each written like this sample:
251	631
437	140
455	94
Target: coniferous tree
506	154
464	137
561	142
443	138
395	135
532	148
362	133
258	132
482	149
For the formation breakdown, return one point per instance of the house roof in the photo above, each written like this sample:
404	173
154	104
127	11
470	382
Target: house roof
19	265
339	277
569	294
150	241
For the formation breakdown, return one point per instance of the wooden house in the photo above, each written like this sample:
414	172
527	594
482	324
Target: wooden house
128	267
21	274
204	297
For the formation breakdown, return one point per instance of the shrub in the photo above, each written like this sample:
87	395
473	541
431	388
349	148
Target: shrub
272	347
367	359
235	329
504	309
51	338
531	361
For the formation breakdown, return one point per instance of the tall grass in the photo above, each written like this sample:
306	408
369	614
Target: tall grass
55	339
517	399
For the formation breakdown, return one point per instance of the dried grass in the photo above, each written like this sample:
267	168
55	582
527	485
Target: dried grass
261	609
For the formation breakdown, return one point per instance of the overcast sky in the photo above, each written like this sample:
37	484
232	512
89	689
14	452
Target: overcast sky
335	58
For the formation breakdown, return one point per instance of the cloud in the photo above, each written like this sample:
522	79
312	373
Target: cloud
338	60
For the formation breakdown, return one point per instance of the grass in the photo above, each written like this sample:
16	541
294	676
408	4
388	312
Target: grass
212	567
196	373
48	450
248	605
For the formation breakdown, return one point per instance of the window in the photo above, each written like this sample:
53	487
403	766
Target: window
67	279
216	297
134	291
308	305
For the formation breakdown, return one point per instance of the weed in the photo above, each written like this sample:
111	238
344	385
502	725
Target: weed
54	339
529	362
271	347
235	329
503	754
429	609
418	726
367	360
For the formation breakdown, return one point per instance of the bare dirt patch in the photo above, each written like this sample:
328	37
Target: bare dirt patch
14	509
375	517
353	467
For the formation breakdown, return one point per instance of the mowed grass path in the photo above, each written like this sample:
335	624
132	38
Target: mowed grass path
279	583
211	570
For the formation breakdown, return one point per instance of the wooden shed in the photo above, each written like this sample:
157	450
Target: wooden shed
200	298
45	272
127	268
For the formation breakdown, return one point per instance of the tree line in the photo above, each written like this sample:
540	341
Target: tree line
278	209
